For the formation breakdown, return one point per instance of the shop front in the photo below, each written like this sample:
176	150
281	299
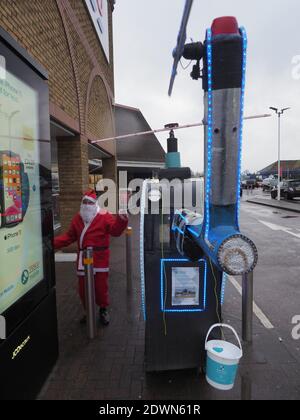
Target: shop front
56	96
73	42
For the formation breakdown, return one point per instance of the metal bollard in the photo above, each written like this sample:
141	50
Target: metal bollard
247	307
89	284
246	387
129	259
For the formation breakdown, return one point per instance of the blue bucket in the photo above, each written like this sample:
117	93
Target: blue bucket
222	360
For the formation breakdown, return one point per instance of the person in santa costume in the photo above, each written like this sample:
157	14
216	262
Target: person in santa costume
92	227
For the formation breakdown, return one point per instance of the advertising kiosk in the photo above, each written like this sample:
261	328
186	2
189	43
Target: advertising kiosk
27	294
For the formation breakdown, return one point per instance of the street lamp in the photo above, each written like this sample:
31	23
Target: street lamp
279	113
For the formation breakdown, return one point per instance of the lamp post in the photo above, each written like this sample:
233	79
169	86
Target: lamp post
279	113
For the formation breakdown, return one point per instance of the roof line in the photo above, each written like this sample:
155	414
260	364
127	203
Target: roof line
127	107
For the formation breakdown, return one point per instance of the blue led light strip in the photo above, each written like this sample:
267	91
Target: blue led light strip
223	287
209	130
245	43
193	232
182	217
162	307
196	234
142	264
176	228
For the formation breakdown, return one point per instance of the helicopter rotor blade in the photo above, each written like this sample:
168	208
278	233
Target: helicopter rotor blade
161	130
143	133
177	53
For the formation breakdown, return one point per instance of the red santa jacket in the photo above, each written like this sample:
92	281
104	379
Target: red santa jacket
96	234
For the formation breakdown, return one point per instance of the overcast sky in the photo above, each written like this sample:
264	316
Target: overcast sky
145	34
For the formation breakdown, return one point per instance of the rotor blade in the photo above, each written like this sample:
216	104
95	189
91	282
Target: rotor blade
177	53
142	133
161	130
254	117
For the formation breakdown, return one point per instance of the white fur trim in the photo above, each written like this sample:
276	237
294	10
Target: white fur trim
86	197
96	270
93	200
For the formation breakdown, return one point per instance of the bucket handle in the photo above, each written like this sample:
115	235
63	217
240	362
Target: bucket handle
224	326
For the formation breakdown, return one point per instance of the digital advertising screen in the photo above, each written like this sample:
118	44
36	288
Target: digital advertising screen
21	242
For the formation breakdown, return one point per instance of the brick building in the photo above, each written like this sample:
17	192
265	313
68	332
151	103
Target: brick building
289	169
72	40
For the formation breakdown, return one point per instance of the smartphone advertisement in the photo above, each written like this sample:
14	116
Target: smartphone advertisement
12	189
21	251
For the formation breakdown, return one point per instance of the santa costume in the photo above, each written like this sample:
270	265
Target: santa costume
92	227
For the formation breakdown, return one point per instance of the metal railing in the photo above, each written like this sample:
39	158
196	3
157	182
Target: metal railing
89	284
247	307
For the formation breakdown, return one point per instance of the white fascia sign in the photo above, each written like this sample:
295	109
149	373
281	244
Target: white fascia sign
2	328
2	67
98	11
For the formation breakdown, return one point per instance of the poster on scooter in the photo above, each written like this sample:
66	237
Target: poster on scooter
185	286
21	254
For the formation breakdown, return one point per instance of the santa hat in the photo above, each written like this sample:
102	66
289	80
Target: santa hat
90	195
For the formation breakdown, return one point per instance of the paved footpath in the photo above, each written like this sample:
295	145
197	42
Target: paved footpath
264	199
112	366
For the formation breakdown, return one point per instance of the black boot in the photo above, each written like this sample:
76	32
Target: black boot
104	316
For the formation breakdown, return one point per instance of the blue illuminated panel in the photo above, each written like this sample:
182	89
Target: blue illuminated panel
245	42
142	264
209	130
162	284
223	287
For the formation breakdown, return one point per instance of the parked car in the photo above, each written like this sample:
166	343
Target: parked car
269	183
288	189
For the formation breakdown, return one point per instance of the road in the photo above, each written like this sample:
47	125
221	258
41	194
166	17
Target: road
276	234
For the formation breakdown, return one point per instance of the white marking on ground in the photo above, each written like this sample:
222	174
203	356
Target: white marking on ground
65	257
257	311
282	228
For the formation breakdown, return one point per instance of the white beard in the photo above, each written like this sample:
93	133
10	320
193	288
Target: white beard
88	212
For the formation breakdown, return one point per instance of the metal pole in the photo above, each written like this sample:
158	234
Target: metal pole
161	130
129	259
278	191
246	385
279	113
90	305
247	307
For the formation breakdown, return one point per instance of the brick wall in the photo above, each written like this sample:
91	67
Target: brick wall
72	156
37	26
99	118
49	31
